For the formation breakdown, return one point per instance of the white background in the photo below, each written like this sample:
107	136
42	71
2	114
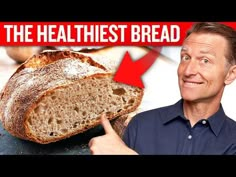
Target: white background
161	84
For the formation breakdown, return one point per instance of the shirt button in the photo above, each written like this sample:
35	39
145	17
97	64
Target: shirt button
204	122
189	137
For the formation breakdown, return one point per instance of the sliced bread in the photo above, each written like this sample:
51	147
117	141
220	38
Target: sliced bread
57	94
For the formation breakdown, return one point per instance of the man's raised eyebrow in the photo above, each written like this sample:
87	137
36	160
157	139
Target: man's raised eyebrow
207	52
184	49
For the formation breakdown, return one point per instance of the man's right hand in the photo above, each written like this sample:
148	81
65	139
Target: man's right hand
110	143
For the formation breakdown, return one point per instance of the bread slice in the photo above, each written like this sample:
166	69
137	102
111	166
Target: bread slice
57	94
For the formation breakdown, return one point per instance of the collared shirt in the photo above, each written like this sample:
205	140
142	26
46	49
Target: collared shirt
166	131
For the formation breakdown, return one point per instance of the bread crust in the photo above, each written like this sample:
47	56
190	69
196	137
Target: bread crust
38	77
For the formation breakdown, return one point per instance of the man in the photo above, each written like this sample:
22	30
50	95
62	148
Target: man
196	124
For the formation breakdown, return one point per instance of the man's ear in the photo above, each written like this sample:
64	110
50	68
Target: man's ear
231	75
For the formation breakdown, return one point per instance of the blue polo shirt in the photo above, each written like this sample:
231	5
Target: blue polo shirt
166	131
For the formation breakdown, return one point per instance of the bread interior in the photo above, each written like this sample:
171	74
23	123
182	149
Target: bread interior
68	110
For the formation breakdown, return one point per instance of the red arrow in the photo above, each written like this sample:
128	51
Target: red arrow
130	72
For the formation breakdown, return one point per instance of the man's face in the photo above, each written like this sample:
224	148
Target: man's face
202	68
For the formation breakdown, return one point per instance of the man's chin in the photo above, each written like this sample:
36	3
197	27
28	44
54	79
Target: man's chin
190	98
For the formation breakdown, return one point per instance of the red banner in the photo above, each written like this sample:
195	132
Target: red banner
94	33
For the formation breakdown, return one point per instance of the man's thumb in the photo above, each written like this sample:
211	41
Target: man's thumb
106	124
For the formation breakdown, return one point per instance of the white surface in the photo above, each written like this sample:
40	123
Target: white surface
7	67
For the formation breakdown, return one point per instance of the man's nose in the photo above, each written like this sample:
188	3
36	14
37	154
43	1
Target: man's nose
191	68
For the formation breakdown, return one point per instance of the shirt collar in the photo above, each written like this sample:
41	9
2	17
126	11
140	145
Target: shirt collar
216	121
174	111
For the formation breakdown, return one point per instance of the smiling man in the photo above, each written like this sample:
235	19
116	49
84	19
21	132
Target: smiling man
196	124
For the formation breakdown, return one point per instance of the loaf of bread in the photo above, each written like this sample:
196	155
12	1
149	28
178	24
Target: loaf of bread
57	94
120	123
20	54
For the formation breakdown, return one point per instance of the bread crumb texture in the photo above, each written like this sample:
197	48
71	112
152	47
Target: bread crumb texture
62	97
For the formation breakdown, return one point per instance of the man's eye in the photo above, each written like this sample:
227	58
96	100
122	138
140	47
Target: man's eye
205	60
185	57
